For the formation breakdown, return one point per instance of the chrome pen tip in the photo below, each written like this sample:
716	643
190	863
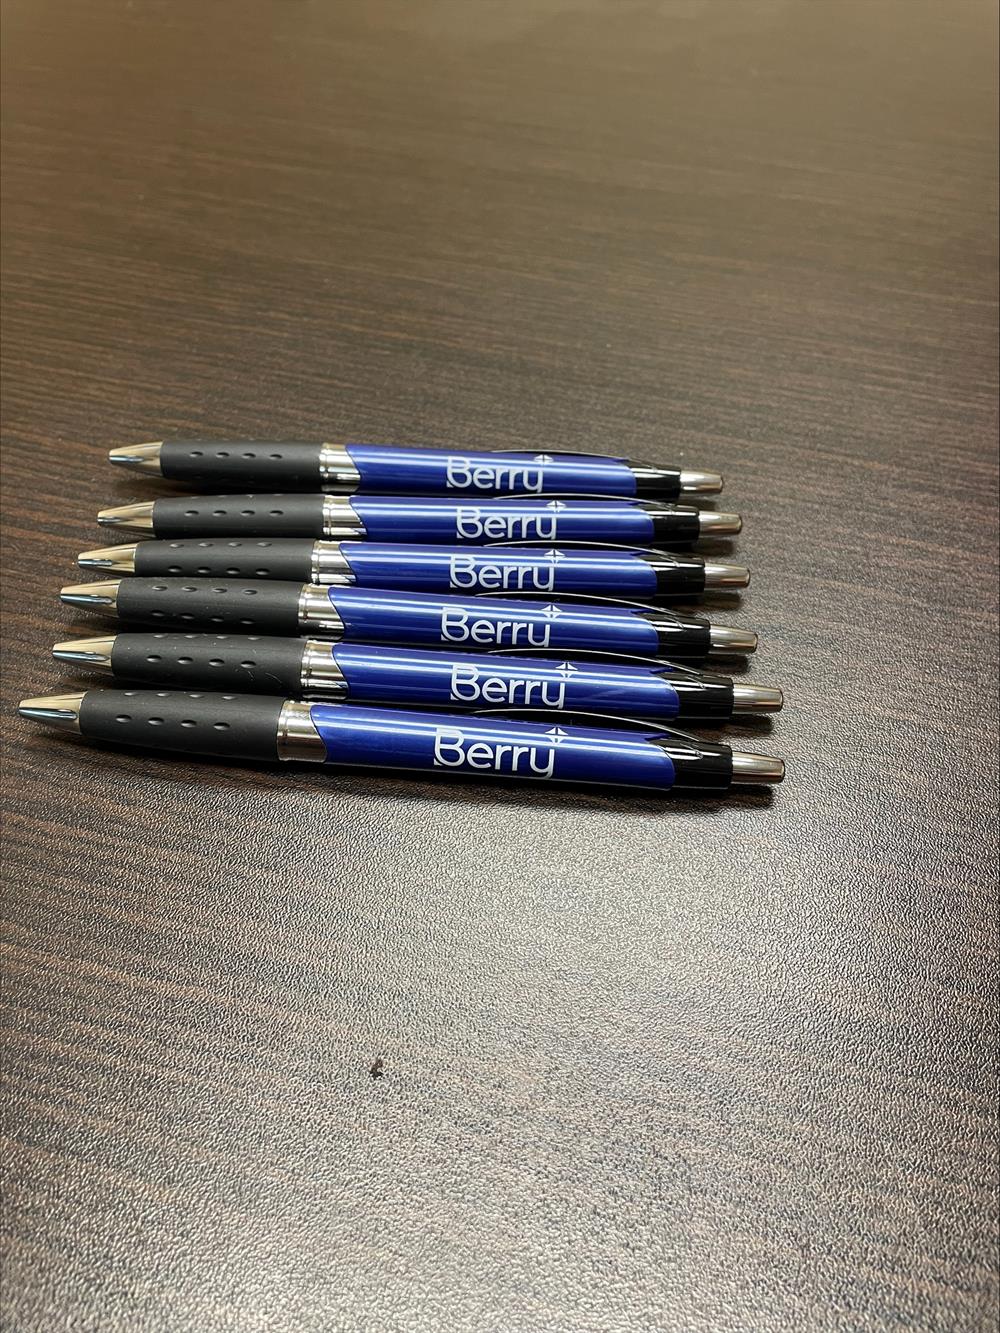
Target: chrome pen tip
142	457
728	639
119	558
92	596
757	698
755	768
86	652
128	516
712	524
726	576
700	483
55	710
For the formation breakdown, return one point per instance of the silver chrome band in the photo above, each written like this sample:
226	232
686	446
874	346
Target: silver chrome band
329	567
757	768
316	611
320	671
340	522
726	576
336	471
297	737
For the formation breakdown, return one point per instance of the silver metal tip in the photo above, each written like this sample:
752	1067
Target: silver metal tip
56	710
726	576
119	558
757	768
86	652
700	483
719	525
142	457
128	516
92	596
728	639
757	699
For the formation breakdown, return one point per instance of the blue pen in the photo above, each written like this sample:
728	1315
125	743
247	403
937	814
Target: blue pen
409	619
263	728
427	520
641	575
401	470
410	677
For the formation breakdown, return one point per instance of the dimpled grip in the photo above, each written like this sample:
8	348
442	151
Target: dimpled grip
248	462
227	558
238	516
232	726
257	663
240	608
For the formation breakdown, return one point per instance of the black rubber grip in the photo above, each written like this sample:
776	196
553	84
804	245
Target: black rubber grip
228	558
247	463
238	516
232	726
258	664
239	608
674	525
680	637
676	575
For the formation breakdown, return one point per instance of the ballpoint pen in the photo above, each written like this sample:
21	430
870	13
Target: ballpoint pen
644	575
410	619
407	677
350	469
434	520
263	728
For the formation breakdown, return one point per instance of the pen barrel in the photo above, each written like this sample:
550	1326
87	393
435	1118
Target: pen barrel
293	465
444	743
438	521
240	608
258	664
632	575
491	624
287	558
389	469
417	620
432	520
265	728
230	726
365	673
481	682
486	570
239	516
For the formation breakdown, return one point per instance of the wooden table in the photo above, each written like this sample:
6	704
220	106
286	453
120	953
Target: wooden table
693	1066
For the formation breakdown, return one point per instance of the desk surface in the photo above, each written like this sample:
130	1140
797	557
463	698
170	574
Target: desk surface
692	1066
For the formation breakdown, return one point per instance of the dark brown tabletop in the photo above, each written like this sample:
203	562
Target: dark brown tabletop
293	1049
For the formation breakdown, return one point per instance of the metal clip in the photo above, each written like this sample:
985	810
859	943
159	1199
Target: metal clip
624	723
590	598
634	659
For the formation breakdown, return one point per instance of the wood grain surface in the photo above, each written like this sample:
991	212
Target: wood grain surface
295	1050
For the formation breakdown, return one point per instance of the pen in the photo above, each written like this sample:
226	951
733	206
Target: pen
362	673
261	728
638	575
394	518
351	469
410	619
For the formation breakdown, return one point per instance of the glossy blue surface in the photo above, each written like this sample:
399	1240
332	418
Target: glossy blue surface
405	471
422	620
440	742
391	518
478	681
499	569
